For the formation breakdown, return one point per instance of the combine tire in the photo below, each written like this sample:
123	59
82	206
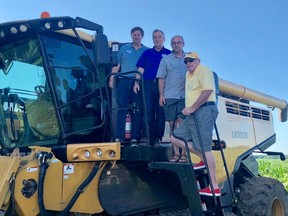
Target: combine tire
262	196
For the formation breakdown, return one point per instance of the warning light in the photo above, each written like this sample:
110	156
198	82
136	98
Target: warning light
45	14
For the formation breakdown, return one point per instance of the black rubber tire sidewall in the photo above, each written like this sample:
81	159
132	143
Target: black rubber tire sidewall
257	194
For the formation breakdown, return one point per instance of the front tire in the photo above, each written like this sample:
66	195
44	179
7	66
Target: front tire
262	196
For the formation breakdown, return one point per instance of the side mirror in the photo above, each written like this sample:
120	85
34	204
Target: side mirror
101	49
114	50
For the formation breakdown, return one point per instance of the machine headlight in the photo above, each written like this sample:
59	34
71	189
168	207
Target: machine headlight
87	154
99	152
48	25
112	154
61	24
13	30
23	28
2	34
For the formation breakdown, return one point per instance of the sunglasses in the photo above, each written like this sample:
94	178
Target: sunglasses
188	60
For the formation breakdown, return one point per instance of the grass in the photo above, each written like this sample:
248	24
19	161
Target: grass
274	168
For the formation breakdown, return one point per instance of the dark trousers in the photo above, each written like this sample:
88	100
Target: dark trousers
125	97
155	113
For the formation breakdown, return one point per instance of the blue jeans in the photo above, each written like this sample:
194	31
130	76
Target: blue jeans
155	113
125	97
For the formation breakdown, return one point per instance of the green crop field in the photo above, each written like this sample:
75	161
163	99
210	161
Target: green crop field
274	168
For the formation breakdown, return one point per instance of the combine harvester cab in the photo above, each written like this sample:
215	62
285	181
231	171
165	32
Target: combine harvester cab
57	122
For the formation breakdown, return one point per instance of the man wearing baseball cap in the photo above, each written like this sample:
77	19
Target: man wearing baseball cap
201	111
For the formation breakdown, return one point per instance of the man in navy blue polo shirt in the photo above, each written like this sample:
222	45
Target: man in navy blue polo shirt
148	65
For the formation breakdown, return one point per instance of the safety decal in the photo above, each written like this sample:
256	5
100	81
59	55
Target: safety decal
68	169
32	169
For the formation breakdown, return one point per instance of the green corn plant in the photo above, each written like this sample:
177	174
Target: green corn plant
274	168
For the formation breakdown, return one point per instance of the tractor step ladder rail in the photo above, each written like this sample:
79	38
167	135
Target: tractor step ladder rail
210	205
214	204
114	105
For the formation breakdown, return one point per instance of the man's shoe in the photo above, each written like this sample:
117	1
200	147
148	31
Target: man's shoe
156	142
198	166
134	142
208	192
117	140
165	140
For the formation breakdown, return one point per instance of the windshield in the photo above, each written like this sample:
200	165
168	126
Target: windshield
27	113
48	92
77	85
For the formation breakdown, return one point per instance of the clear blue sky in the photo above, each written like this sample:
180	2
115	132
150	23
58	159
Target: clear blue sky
245	42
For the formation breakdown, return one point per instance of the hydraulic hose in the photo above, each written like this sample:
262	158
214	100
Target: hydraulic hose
43	158
43	163
80	189
42	173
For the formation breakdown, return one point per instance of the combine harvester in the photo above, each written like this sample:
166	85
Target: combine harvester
57	125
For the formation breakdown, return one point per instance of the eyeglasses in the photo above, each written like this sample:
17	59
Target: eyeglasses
188	60
176	43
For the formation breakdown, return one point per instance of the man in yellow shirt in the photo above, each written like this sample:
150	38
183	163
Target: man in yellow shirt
200	108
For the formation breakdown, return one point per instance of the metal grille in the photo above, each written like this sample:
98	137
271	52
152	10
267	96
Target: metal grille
247	111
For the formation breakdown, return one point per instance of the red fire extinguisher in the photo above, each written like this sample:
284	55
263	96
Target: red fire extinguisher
128	127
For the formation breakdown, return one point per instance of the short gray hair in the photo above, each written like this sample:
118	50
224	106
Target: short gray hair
177	36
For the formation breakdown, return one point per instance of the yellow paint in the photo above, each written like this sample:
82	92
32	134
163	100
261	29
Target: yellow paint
231	155
88	201
80	152
8	166
59	186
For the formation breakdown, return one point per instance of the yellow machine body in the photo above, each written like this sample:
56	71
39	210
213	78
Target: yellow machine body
8	169
60	184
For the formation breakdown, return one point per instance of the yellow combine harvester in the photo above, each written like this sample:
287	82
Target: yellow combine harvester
57	121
